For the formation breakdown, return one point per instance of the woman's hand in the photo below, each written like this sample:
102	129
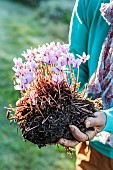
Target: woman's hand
98	122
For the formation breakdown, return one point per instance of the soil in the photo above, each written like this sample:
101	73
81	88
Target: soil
55	123
47	122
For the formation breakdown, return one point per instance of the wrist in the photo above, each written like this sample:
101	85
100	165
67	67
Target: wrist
109	121
104	118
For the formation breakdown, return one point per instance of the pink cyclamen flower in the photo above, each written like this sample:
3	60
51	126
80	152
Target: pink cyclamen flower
24	81
77	63
62	61
30	54
84	57
18	62
55	70
70	58
59	67
57	78
28	78
56	56
17	87
19	72
60	79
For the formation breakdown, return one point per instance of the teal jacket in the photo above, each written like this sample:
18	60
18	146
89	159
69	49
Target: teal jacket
88	30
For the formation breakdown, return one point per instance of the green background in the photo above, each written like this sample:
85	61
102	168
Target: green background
22	27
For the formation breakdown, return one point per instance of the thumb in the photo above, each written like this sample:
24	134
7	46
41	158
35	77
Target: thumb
91	122
98	120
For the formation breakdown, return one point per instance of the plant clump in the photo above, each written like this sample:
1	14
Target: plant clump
49	101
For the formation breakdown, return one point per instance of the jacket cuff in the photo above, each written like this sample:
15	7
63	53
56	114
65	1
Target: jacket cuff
109	120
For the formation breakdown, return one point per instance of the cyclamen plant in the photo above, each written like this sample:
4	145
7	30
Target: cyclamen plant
53	57
49	96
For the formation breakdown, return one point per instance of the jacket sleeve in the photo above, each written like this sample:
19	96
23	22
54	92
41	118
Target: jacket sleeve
78	38
109	120
78	41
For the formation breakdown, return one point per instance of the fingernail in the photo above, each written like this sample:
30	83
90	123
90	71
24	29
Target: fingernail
63	142
87	124
71	127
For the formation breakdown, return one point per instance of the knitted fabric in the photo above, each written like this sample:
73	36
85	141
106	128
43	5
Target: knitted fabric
101	82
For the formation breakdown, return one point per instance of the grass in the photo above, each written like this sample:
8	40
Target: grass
21	28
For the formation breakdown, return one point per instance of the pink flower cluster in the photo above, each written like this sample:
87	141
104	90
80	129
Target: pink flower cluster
56	56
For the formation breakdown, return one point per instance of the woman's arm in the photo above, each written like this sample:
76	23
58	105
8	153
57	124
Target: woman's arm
109	120
78	37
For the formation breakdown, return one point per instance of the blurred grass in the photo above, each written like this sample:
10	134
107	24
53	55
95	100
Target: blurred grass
20	28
